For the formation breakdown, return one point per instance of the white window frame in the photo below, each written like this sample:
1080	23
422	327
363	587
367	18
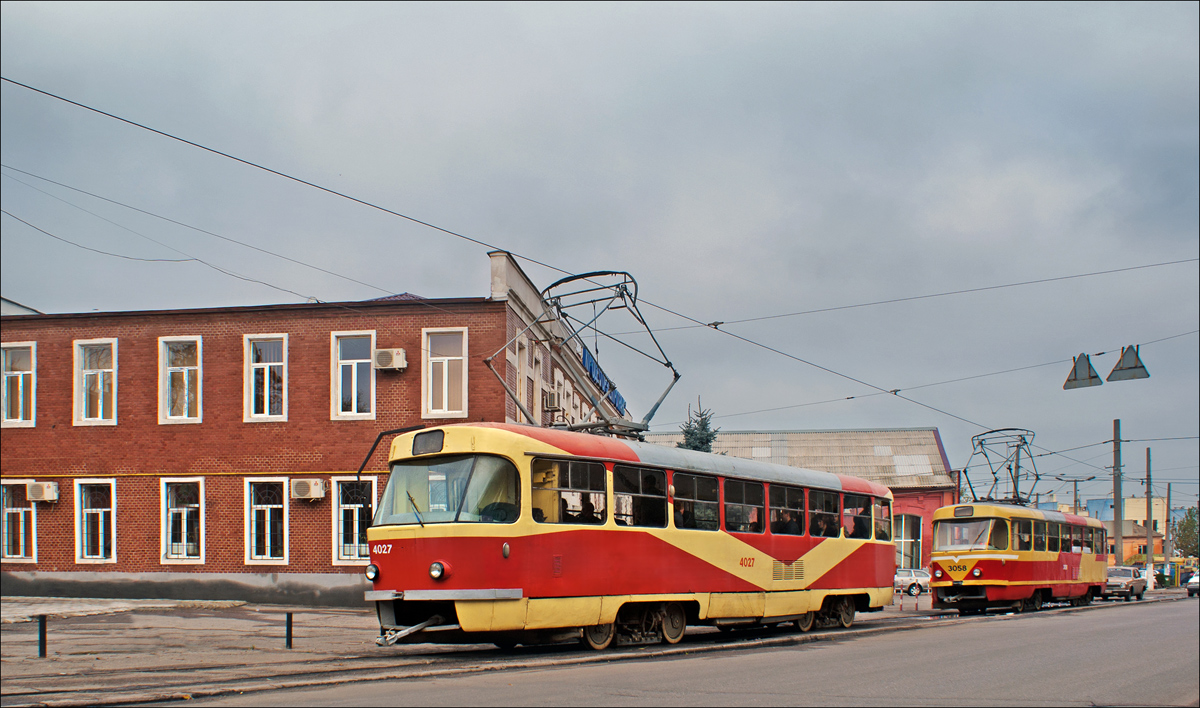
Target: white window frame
79	522
77	405
335	377
164	387
427	371
165	527
248	415
32	420
32	544
336	556
249	539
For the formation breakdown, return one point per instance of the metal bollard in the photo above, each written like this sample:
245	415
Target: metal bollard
41	636
288	640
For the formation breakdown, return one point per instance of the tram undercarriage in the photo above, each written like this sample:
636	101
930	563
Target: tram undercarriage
977	599
636	623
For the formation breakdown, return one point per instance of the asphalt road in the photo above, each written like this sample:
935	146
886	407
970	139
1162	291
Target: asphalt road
1140	654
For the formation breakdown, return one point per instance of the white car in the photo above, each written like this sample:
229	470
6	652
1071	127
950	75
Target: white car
1193	585
913	582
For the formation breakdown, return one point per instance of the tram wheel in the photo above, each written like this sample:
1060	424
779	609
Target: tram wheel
1034	603
845	613
599	636
805	623
506	645
674	623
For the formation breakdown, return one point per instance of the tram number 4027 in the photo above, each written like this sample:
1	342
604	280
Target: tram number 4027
746	562
381	548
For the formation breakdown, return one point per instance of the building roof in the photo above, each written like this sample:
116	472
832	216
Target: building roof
1131	529
899	458
12	307
397	296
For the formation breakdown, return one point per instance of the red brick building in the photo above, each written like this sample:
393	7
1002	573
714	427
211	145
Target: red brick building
213	452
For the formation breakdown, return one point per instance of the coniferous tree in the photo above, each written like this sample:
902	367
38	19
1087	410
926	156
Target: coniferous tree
698	433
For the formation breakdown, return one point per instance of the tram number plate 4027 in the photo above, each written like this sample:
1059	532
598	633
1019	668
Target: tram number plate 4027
381	548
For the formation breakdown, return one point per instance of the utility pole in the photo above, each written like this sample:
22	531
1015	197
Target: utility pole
1168	540
1118	513
1075	498
1149	526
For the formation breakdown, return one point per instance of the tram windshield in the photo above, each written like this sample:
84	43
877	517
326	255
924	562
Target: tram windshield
462	488
970	535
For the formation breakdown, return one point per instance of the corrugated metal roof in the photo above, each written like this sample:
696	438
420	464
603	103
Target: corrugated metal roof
899	458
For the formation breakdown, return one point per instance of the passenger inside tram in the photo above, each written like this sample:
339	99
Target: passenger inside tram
683	515
587	515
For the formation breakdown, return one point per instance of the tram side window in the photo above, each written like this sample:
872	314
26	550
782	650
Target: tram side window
1039	535
787	510
1022	535
823	511
1101	541
883	520
1076	539
697	505
744	508
1052	538
1087	540
639	497
856	516
568	492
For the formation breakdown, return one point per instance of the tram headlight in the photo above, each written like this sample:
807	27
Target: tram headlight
976	572
437	570
372	572
937	573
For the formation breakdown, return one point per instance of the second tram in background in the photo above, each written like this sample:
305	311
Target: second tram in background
518	534
994	555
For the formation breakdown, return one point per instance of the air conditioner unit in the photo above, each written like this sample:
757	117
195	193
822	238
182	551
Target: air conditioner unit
390	360
551	401
308	488
41	491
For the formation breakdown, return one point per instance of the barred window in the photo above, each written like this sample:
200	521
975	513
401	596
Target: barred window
18	529
96	521
568	492
267	521
697	502
639	497
356	504
744	507
183	520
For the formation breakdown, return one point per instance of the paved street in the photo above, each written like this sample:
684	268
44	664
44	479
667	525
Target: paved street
140	651
1135	654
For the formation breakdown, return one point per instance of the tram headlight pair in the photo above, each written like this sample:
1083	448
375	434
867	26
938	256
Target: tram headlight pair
372	572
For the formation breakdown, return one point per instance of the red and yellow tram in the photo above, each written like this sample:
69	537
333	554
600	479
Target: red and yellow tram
994	555
518	534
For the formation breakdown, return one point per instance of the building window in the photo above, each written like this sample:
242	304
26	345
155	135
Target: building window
906	529
444	362
183	520
95	521
353	383
266	522
20	360
353	511
179	380
266	377
20	525
96	382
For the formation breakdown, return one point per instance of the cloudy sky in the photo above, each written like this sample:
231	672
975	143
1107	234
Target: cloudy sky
741	161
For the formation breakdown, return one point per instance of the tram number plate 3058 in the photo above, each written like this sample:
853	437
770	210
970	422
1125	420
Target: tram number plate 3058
956	568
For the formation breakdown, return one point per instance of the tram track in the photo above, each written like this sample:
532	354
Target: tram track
187	682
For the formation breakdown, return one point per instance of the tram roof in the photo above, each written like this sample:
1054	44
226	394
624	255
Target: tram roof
1000	508
679	459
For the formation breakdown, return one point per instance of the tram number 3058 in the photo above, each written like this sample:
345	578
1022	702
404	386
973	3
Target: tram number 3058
956	568
746	562
382	548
